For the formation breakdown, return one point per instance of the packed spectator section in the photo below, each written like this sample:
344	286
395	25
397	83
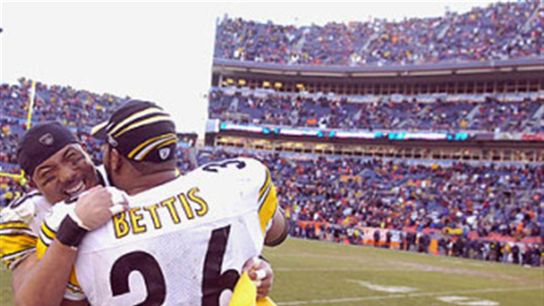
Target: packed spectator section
77	109
469	209
515	112
500	31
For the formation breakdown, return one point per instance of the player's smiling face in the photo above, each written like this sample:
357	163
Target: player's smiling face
64	174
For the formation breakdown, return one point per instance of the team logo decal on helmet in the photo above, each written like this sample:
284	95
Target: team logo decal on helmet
47	139
164	153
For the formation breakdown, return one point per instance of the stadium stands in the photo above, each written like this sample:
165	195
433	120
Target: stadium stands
499	31
490	112
414	201
78	109
420	205
344	193
488	211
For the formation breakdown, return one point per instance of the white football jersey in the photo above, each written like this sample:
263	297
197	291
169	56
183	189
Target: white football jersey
181	243
19	227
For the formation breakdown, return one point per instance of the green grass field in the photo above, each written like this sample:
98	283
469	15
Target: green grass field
322	273
5	287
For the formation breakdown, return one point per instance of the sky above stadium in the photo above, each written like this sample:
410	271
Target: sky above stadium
156	51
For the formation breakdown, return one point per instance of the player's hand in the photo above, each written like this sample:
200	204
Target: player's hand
96	206
260	272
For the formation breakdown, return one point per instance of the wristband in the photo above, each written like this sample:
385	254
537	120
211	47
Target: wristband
78	221
70	233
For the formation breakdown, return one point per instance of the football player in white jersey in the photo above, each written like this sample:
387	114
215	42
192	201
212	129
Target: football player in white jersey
187	237
59	168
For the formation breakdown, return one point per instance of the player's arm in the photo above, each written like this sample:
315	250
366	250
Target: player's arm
55	268
17	246
271	217
17	239
66	302
52	277
255	178
46	280
278	230
23	269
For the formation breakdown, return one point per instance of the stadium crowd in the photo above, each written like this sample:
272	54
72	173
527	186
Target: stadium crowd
77	109
441	112
499	31
74	108
528	254
412	200
344	193
377	193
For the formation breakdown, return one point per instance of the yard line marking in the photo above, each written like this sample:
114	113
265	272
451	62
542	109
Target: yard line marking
469	301
399	296
339	270
389	289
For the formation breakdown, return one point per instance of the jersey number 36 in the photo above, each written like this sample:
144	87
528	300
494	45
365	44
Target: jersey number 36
213	281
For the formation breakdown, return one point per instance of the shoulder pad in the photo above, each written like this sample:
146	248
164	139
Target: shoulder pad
248	174
22	209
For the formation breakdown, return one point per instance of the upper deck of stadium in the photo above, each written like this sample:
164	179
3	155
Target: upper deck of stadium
500	31
491	49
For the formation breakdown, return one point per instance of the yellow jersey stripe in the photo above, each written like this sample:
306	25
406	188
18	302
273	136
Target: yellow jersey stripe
41	244
41	248
143	144
11	244
73	279
47	231
42	241
268	208
15	255
73	288
13	224
16	231
12	263
265	185
13	248
46	240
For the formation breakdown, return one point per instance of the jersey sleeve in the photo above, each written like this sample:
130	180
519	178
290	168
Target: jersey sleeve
267	202
48	232
17	240
255	177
